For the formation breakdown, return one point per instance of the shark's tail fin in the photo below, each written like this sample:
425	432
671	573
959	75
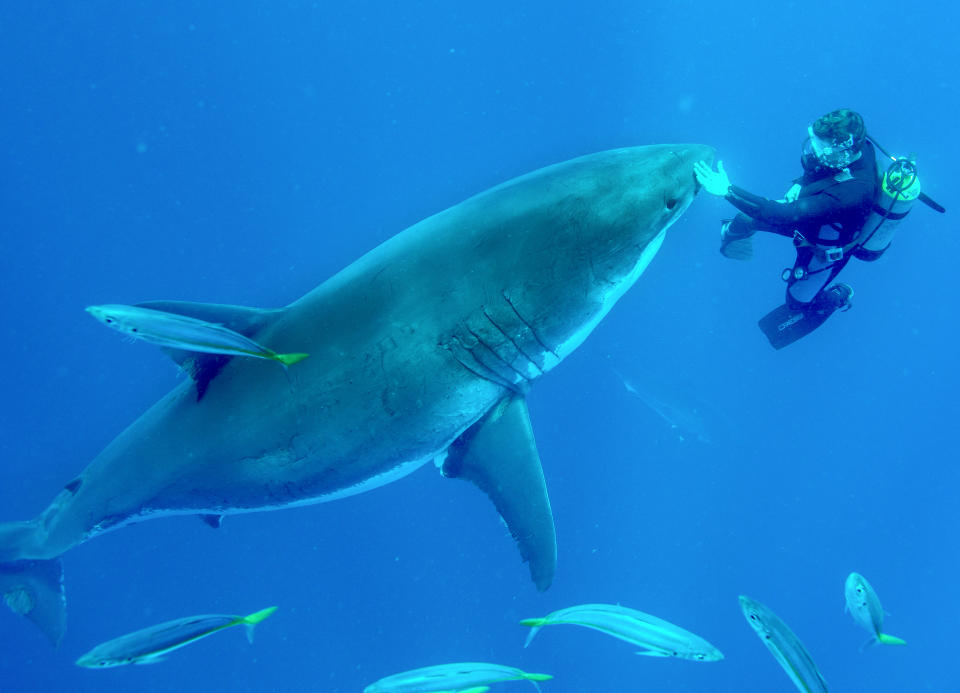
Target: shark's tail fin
35	589
31	588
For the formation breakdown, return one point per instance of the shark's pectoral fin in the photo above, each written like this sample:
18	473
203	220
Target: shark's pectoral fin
499	455
202	367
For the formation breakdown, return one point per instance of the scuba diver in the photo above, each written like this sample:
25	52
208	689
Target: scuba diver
839	208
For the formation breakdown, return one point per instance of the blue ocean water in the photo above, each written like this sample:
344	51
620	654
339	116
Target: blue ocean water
244	152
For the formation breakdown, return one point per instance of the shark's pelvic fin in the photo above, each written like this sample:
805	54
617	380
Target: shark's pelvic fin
499	455
35	589
212	520
203	368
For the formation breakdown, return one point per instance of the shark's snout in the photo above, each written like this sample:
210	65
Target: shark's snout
689	155
702	153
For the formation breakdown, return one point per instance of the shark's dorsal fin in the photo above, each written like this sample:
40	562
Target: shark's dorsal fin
203	368
499	455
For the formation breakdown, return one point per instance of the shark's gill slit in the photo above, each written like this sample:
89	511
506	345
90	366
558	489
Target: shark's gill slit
514	342
529	327
523	378
456	347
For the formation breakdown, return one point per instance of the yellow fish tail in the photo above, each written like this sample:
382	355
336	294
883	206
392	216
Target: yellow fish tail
533	622
253	619
290	359
885	639
535	625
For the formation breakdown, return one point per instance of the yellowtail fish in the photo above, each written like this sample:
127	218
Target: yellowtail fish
462	677
785	647
149	645
864	605
175	331
657	637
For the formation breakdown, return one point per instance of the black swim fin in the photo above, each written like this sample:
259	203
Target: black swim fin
785	325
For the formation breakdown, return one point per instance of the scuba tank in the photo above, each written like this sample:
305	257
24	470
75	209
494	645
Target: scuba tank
899	189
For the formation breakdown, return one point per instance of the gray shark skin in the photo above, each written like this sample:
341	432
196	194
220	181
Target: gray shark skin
422	349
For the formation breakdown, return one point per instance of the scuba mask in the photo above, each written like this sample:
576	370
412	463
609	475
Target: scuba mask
832	155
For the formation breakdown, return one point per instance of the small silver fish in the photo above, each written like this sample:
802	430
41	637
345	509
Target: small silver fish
176	331
864	605
785	647
149	645
461	677
657	637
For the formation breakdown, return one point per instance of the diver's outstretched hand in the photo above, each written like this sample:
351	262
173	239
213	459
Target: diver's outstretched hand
714	182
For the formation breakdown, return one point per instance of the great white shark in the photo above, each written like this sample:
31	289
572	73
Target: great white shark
421	350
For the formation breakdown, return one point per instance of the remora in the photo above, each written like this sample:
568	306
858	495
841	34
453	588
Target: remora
422	349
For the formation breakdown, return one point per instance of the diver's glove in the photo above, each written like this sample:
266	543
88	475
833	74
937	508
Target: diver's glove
714	182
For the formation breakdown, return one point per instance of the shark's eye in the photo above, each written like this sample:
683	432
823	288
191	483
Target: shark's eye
109	321
670	203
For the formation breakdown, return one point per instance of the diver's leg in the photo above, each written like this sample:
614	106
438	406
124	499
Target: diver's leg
819	296
735	237
808	302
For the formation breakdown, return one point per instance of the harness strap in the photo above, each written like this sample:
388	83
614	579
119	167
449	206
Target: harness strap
831	254
887	214
824	253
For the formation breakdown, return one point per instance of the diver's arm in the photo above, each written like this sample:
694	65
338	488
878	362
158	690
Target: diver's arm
778	217
783	217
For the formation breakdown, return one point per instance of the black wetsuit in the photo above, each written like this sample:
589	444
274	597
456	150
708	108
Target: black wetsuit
828	214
